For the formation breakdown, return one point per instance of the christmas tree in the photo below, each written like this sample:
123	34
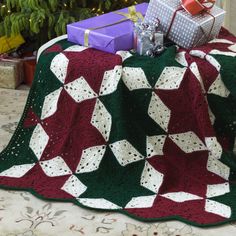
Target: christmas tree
35	17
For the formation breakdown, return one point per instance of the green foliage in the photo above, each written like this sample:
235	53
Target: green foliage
34	17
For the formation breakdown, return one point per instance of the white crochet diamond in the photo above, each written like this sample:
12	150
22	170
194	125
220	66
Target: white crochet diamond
75	48
74	186
91	159
224	53
218	88
151	178
80	90
217	190
181	196
217	167
110	81
55	167
159	112
198	53
216	40
124	55
38	141
141	202
17	171
181	59
170	78
59	66
50	104
218	208
211	116
194	69
155	145
214	147
99	203
213	62
135	78
232	48
188	142
101	119
125	153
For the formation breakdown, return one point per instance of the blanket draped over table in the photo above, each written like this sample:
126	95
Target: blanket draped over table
152	138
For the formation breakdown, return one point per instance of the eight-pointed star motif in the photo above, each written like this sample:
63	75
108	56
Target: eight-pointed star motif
113	181
151	178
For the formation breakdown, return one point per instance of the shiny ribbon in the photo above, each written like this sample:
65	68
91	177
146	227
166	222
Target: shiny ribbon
5	57
195	7
132	15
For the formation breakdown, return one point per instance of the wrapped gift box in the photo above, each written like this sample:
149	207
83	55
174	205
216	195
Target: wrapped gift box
9	43
29	70
110	32
187	30
11	73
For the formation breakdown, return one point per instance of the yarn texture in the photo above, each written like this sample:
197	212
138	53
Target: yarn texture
152	138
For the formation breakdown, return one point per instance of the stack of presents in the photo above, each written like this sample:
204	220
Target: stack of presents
147	29
15	69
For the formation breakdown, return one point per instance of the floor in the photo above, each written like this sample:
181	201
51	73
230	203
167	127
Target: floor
22	214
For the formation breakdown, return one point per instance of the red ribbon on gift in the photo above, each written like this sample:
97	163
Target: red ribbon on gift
195	7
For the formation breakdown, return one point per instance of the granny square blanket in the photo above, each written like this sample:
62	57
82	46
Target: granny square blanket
153	138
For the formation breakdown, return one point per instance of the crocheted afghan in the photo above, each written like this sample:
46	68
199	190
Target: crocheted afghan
149	137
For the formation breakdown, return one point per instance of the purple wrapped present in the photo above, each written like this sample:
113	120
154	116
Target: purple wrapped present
110	32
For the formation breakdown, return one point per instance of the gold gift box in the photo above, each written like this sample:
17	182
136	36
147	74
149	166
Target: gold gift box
11	73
